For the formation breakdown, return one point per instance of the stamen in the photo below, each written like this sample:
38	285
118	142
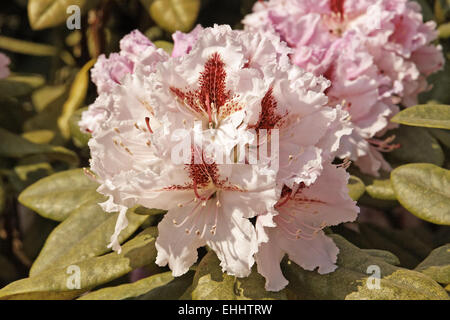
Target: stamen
384	145
147	122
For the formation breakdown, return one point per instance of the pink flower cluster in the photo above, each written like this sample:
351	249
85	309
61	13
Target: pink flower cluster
377	54
223	85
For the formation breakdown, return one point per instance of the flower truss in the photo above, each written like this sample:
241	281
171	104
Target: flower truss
377	54
186	133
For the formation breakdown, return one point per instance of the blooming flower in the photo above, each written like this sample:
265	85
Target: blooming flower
376	54
4	62
136	49
229	86
297	229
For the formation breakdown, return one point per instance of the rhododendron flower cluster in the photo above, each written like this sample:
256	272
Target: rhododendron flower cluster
377	54
239	92
4	63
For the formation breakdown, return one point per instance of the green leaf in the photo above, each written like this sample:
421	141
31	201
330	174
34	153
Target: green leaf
131	290
165	45
84	234
444	30
39	136
424	190
356	188
26	47
437	265
171	291
76	98
14	146
56	196
49	109
29	173
211	284
381	189
80	138
407	246
416	145
173	15
425	115
50	13
44	96
387	256
20	85
377	187
52	284
349	281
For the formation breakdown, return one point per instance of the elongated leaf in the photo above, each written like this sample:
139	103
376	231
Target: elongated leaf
26	47
416	145
20	85
349	281
131	290
426	115
356	187
85	233
14	146
52	284
76	98
56	196
173	15
44	96
211	284
50	13
437	265
424	189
